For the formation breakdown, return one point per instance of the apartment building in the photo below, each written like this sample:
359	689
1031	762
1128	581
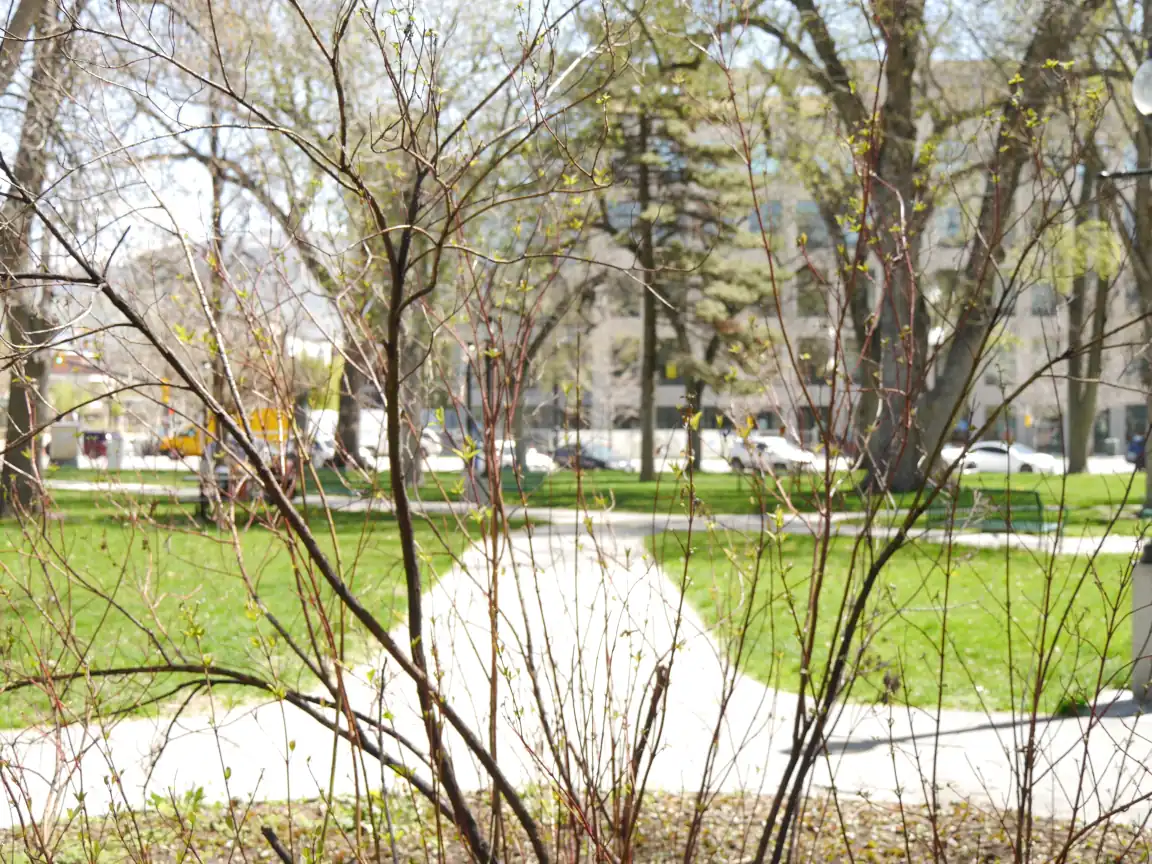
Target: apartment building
1034	330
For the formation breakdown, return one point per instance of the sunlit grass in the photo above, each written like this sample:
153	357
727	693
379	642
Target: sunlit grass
981	609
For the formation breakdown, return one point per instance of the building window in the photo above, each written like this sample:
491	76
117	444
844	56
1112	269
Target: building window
1000	370
949	155
1135	420
810	297
852	365
772	212
1138	368
811	229
1004	428
950	226
764	165
942	296
621	215
1044	300
1102	431
811	422
769	421
669	417
625	355
814	360
670	161
1132	298
1048	433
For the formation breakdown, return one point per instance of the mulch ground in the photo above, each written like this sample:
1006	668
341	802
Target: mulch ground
831	830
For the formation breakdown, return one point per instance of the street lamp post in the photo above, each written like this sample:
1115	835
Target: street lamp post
1142	98
1142	571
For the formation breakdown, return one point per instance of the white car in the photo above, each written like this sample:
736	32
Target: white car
1002	458
769	453
430	442
323	450
534	460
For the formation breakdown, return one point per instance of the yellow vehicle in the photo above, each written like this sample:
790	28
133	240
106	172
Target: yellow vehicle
268	425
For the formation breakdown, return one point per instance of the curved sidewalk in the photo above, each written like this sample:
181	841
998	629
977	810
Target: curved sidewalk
587	619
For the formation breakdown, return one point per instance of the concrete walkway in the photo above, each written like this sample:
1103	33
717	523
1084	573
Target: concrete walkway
586	621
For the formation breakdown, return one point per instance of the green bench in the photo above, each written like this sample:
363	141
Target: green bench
996	511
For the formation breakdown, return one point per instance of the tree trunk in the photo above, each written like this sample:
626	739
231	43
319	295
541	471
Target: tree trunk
352	381
1085	407
648	389
694	395
20	484
893	449
1081	416
1146	510
15	36
1142	249
1081	408
1051	40
648	333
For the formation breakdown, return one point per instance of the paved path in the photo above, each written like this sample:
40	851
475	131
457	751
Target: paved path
606	617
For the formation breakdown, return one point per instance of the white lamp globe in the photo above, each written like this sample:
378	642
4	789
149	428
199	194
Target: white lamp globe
1142	87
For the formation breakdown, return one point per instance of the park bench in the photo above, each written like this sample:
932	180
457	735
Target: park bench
992	510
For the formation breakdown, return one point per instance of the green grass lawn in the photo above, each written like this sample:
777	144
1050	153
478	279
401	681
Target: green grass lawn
1073	491
992	600
1102	494
180	477
621	490
151	562
731	493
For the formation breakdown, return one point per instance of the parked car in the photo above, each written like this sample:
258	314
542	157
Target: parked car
430	442
1137	454
769	453
534	460
590	457
323	450
1003	458
94	445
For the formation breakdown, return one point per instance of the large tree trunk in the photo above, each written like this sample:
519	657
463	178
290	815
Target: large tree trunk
1080	422
1085	419
1081	390
648	332
15	36
648	389
893	450
1054	35
20	484
1141	249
